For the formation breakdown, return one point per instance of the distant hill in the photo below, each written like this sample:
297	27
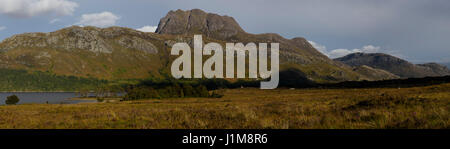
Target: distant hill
394	65
438	69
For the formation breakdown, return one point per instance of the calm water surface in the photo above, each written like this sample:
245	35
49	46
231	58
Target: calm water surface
42	98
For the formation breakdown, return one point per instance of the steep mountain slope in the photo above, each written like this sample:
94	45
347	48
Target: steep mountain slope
110	53
122	53
374	73
294	53
394	65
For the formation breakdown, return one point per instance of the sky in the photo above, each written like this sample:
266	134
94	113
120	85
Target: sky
415	30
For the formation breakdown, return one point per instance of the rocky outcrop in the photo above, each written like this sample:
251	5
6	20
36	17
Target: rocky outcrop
138	44
198	21
92	39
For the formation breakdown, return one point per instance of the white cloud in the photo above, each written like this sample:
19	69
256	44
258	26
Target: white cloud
370	49
147	29
30	8
336	53
103	19
2	28
343	52
319	47
54	21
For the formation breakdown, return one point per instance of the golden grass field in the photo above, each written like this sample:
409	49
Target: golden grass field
416	108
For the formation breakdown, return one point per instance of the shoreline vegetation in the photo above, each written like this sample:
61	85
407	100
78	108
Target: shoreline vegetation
312	108
212	88
97	99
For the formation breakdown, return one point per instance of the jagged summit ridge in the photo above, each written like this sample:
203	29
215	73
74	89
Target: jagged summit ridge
198	21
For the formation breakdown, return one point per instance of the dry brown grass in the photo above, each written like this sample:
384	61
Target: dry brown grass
419	107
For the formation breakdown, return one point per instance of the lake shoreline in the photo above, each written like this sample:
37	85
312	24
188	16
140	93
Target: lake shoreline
40	92
43	97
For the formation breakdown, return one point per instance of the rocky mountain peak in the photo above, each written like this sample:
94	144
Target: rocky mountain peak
197	21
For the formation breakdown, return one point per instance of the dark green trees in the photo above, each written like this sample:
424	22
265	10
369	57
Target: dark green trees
202	91
172	91
12	100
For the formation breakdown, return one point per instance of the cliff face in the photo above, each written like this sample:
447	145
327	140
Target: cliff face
197	21
394	65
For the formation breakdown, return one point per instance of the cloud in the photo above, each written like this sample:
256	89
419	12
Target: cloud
30	8
2	28
319	47
336	53
343	52
103	19
54	21
147	29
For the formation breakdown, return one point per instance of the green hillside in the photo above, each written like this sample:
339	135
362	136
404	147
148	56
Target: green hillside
21	80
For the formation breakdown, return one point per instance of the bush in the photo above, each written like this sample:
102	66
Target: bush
217	94
100	99
188	91
141	93
201	91
12	100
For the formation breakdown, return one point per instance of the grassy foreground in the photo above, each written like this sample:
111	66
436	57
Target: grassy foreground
417	107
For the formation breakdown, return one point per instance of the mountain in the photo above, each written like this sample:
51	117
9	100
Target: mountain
109	53
394	65
436	68
118	53
294	53
374	73
200	22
